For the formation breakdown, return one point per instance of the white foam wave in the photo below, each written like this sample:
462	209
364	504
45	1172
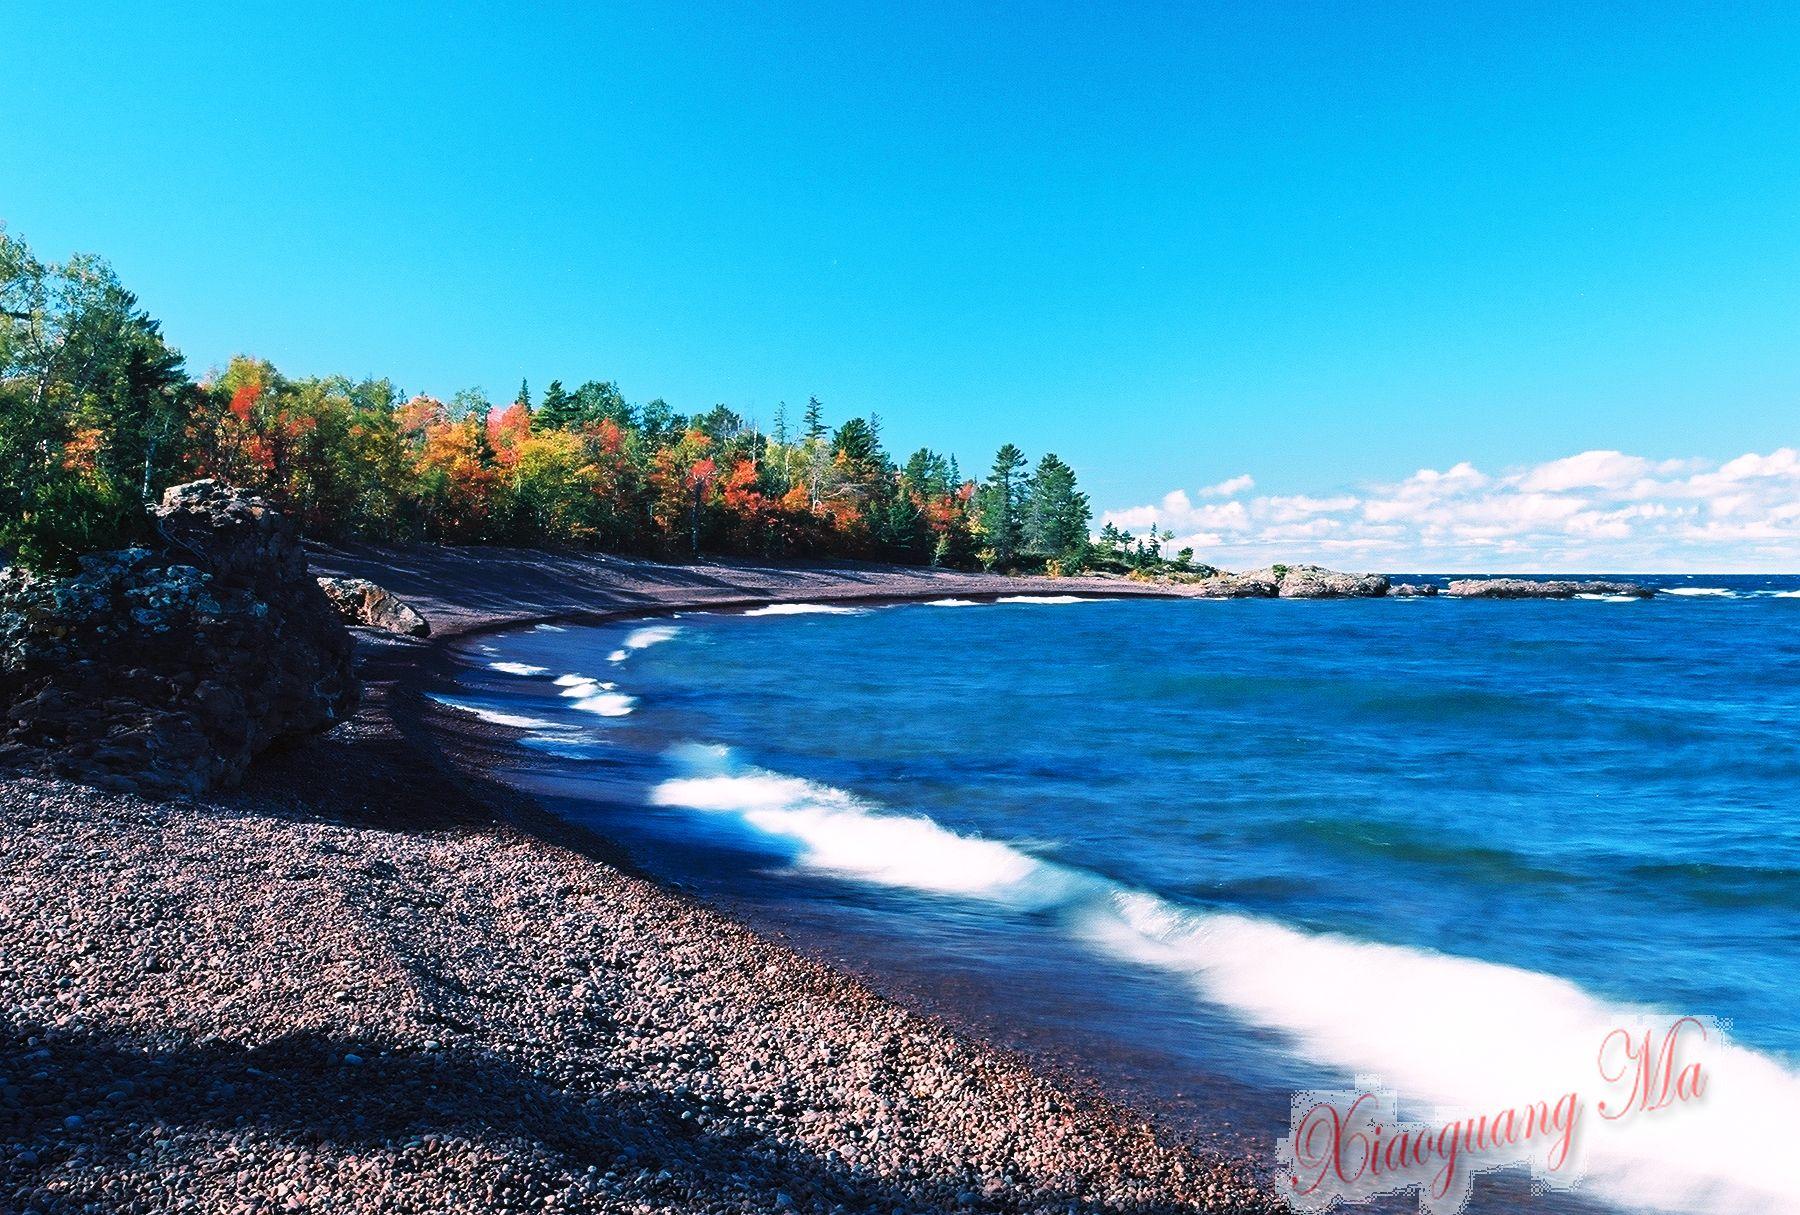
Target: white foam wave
515	721
607	704
1045	599
832	831
1716	591
1785	594
517	668
1448	1033
807	609
1610	598
549	628
618	656
1466	1036
643	639
952	603
582	685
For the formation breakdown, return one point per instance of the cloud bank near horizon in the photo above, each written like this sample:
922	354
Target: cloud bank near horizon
1597	511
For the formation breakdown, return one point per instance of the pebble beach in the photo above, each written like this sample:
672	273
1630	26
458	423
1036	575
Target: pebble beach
373	979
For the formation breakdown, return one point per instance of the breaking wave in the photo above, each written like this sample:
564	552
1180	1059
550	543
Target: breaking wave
1448	1033
807	609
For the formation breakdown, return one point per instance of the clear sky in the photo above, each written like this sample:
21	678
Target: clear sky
1325	246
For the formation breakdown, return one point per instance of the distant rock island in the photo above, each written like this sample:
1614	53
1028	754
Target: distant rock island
1317	582
1520	588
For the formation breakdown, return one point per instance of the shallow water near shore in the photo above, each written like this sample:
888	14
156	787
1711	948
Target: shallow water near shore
1221	851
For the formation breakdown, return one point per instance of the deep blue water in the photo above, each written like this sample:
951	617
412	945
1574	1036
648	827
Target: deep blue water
1166	839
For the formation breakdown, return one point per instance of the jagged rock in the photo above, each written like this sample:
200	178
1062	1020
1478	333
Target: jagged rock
166	668
1412	590
1522	588
360	601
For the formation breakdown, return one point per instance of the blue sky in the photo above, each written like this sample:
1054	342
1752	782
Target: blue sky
1323	246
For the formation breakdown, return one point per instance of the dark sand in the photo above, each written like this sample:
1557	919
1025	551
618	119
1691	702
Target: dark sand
376	980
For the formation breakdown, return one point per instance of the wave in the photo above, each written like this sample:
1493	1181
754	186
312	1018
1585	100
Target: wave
952	603
1720	592
518	668
1447	1033
807	609
514	721
549	628
1045	599
592	696
607	704
642	639
1610	598
829	830
1782	594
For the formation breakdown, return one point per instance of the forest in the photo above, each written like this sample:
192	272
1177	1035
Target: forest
98	414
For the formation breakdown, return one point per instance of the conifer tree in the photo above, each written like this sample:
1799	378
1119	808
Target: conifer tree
1002	506
1056	514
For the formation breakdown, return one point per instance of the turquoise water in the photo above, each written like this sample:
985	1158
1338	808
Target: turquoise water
1222	851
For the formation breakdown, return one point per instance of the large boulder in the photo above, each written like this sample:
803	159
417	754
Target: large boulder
1291	582
1257	584
166	668
1317	582
360	601
1522	588
1412	590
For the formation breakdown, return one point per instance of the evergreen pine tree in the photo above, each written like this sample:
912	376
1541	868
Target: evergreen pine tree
1001	506
815	418
558	409
1056	514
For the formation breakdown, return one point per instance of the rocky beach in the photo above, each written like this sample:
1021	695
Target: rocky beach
371	979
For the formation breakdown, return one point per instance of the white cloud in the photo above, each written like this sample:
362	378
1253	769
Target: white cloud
1592	511
1589	470
1229	487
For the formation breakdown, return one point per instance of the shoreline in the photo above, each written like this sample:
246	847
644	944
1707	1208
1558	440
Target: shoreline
534	1024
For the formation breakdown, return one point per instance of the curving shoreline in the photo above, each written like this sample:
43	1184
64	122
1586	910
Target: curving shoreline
375	976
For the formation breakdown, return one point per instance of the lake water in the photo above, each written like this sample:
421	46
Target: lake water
1215	852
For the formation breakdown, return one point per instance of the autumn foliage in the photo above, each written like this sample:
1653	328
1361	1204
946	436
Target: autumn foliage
98	416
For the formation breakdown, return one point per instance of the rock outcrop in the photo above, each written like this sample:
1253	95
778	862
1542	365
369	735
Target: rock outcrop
1412	590
1522	588
1291	582
166	668
1317	582
360	601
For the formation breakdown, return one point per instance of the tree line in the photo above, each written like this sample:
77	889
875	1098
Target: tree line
98	415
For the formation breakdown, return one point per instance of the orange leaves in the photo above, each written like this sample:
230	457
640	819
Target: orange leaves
244	400
81	454
507	430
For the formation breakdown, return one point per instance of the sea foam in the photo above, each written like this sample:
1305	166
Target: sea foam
517	668
649	635
1449	1034
832	831
807	609
1046	599
515	721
